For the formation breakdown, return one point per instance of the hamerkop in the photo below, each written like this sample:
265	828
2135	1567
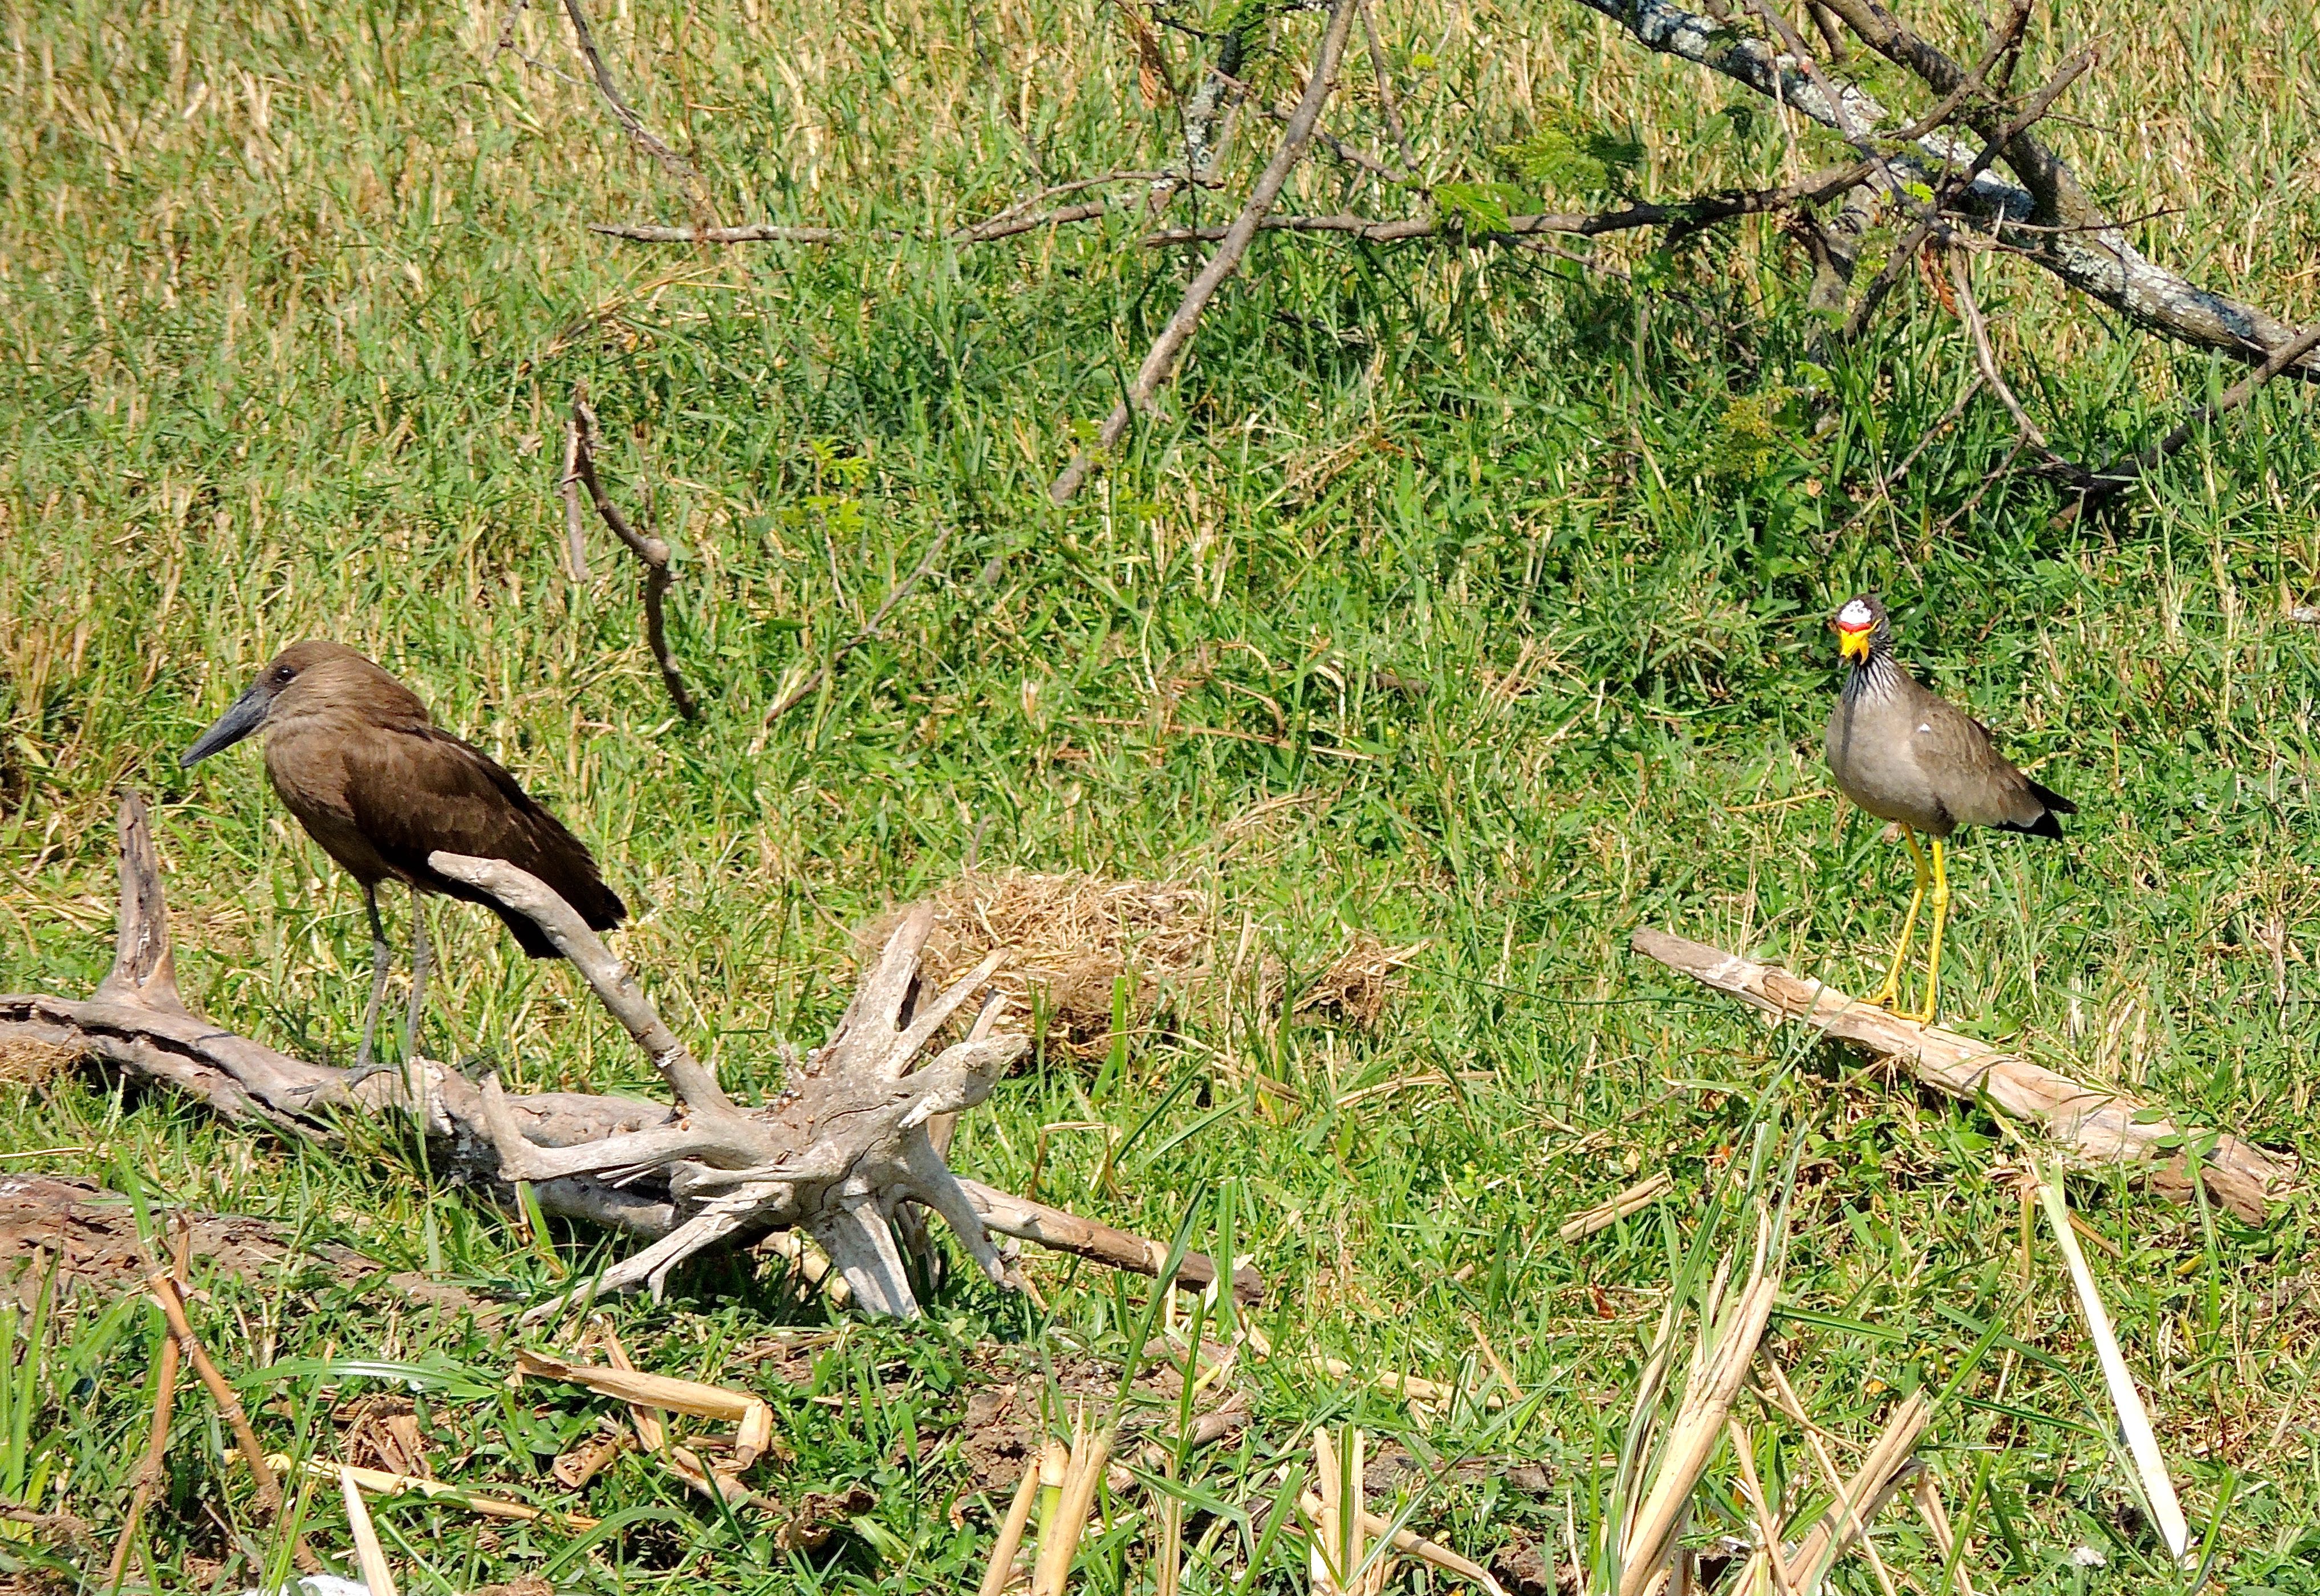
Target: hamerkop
354	755
1908	755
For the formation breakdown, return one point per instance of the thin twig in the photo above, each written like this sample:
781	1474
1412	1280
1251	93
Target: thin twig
1906	251
1056	191
649	549
754	233
1162	360
812	680
1985	355
1387	107
1004	224
151	1471
575	529
508	46
1886	484
983	233
680	170
1686	215
164	1292
1989	480
1352	155
1927	1495
2116	479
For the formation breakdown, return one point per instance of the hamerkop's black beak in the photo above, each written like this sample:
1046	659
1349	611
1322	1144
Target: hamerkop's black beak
230	728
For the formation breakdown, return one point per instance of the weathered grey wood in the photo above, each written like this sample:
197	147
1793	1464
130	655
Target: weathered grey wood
838	1153
2047	220
2096	1125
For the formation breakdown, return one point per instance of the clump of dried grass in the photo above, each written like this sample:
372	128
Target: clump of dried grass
1072	937
1354	987
33	1063
1071	940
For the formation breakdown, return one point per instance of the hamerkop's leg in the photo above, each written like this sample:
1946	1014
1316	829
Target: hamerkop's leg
1892	987
419	960
378	956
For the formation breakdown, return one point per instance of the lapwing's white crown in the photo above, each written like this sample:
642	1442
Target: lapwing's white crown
1853	615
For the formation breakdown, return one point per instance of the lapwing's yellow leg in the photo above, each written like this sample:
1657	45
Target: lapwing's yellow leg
1892	987
1934	948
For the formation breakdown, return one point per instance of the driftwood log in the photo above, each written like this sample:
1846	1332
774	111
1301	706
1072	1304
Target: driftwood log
2097	1125
838	1154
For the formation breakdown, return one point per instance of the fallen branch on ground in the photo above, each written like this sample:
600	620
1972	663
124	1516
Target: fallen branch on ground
2048	221
580	463
1022	216
1681	215
842	1148
2099	1126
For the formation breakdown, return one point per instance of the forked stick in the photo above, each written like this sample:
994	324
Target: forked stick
651	552
838	1154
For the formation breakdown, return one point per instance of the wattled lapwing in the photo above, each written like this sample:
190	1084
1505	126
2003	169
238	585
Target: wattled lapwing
1910	756
355	755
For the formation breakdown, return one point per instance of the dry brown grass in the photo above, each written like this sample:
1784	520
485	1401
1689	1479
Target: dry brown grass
1353	989
1074	938
34	1064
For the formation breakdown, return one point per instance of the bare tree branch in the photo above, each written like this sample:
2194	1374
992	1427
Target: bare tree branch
1017	218
2085	251
649	550
1907	250
1162	360
753	232
680	170
1682	214
2116	479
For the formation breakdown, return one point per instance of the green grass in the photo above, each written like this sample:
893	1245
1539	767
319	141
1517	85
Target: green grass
293	361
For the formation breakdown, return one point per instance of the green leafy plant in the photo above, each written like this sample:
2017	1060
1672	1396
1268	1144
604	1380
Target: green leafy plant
1568	154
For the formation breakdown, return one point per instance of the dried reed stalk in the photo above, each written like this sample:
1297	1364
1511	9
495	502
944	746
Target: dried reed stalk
1587	1221
1000	1571
152	1469
370	1558
1059	1534
383	1483
2141	1442
1859	1499
1727	1347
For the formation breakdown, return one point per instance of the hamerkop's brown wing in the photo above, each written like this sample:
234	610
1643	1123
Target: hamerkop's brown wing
420	790
1974	783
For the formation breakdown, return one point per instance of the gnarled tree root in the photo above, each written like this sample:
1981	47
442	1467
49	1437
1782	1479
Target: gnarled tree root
838	1154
